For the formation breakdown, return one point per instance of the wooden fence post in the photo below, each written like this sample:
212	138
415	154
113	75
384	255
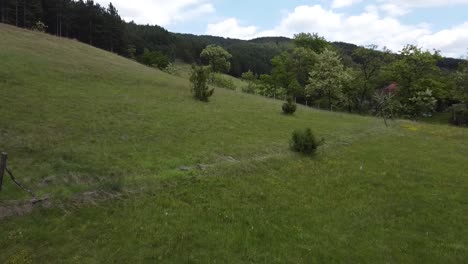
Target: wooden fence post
3	163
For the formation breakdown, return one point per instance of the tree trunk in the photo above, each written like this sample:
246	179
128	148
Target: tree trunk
24	13
2	9
361	99
16	10
90	32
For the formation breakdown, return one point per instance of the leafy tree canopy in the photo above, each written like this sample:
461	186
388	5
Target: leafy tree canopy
327	77
314	42
217	57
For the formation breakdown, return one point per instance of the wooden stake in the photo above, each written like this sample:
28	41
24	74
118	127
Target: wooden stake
3	163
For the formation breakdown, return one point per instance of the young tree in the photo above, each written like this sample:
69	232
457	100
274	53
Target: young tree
384	104
289	107
199	83
217	57
327	77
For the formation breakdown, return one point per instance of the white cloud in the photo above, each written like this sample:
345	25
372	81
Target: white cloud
161	12
369	27
403	7
344	3
231	28
394	10
365	28
453	41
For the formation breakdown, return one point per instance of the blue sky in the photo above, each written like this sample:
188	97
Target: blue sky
431	24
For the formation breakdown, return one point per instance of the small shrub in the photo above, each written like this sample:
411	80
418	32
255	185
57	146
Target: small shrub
199	83
171	69
39	26
305	142
289	107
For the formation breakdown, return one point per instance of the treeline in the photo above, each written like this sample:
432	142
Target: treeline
409	84
102	26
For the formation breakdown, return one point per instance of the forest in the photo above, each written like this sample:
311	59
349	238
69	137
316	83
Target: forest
412	83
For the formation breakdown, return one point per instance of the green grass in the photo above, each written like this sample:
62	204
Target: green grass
85	119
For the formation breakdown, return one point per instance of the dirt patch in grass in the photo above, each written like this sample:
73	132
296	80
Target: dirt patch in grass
16	208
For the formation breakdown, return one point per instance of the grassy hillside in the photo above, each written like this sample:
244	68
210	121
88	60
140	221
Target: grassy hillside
76	119
184	70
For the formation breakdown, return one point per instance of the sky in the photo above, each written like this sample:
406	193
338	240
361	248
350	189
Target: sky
429	24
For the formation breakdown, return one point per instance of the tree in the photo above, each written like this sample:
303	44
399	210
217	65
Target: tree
268	87
217	57
294	89
293	67
384	104
327	77
422	103
289	107
251	80
461	78
369	62
415	71
313	42
154	58
199	83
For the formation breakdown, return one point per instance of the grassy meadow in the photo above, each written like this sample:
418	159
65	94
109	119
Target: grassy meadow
75	119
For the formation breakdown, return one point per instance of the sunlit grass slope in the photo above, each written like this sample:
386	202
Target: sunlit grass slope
75	114
74	118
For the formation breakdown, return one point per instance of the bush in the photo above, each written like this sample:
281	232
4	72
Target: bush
199	83
459	115
289	107
422	104
250	88
222	82
154	59
251	79
39	26
305	142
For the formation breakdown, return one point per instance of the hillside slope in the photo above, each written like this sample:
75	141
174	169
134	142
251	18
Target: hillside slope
82	114
74	118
